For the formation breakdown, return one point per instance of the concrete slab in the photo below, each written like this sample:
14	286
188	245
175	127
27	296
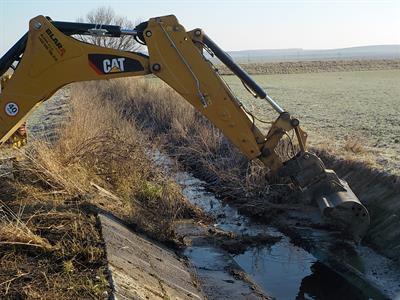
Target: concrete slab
142	269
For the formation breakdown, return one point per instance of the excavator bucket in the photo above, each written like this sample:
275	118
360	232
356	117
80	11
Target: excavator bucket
339	206
345	210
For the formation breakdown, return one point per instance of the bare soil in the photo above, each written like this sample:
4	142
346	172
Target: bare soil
297	67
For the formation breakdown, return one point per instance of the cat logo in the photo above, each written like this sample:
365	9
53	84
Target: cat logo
106	64
114	65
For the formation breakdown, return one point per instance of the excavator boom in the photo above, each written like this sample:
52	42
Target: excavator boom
48	57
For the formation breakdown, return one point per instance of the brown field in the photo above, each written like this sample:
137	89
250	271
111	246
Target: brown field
297	67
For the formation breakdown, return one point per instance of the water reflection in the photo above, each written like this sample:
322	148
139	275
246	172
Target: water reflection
283	270
295	275
322	283
279	270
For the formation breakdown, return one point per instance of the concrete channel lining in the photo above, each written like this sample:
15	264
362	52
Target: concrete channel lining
142	269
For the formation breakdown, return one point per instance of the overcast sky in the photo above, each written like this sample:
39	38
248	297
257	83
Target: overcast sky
235	25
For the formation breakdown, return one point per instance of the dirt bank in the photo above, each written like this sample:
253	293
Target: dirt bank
50	248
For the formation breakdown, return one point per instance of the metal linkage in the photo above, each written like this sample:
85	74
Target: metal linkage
71	28
203	100
132	32
13	54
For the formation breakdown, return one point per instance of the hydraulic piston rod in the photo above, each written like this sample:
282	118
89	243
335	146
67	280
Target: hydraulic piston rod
239	72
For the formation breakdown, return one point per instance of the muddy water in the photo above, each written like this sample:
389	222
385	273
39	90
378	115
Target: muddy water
283	270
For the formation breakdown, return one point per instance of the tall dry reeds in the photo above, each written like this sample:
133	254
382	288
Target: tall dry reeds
97	146
189	137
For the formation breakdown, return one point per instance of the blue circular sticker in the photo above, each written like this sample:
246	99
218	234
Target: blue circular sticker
11	109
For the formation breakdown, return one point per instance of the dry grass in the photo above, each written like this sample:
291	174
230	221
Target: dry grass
49	253
187	135
352	149
15	232
98	146
354	145
192	139
50	245
114	152
40	234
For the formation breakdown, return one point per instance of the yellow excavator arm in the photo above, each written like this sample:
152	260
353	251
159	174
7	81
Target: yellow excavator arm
47	58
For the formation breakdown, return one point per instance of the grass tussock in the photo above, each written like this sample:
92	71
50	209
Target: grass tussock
354	145
15	232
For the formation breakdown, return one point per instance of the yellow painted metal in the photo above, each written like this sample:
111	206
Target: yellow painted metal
184	68
19	138
49	62
4	80
52	59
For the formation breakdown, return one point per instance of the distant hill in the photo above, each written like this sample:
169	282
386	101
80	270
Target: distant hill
296	54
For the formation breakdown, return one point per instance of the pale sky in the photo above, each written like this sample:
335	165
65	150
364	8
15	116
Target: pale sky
235	25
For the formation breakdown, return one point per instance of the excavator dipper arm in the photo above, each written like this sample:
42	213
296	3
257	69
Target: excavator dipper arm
48	58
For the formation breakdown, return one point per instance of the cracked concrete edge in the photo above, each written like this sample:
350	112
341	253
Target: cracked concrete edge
140	268
110	278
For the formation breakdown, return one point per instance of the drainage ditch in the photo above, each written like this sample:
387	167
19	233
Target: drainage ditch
278	270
